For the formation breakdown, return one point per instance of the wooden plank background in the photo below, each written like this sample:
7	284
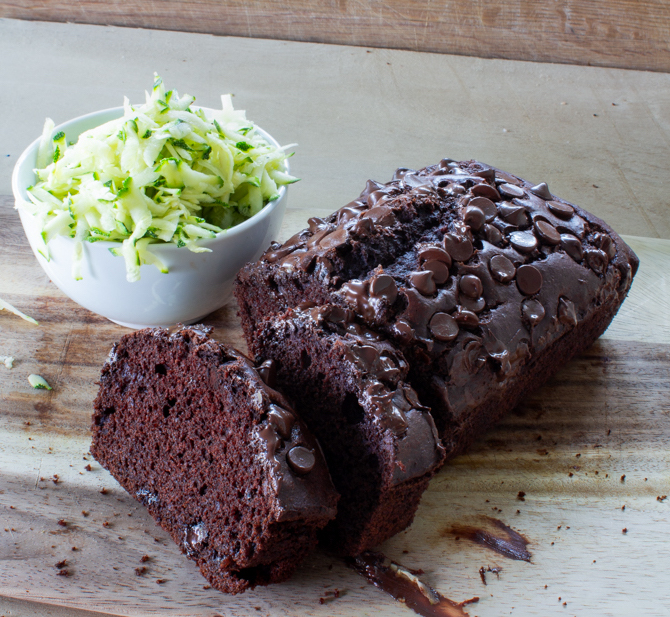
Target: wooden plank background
600	137
618	33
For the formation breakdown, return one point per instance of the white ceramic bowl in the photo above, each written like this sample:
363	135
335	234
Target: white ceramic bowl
197	283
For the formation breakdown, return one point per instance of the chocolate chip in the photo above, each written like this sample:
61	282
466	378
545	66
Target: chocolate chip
560	209
423	190
435	253
401	172
474	217
423	282
566	312
356	293
375	197
458	247
523	241
281	419
348	213
439	269
465	317
366	354
370	187
493	234
362	227
471	304
487	174
383	286
504	177
572	246
528	280
504	226
502	269
298	259
268	372
485	190
606	244
541	190
443	327
471	286
455	189
486	206
597	260
316	224
403	330
336	314
510	190
381	215
547	232
516	215
301	460
532	311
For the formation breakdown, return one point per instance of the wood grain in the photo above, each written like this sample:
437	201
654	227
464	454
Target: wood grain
604	416
622	33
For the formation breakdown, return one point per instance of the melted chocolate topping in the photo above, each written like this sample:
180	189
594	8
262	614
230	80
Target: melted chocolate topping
382	392
457	286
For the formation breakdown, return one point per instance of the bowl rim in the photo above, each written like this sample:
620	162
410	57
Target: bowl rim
20	192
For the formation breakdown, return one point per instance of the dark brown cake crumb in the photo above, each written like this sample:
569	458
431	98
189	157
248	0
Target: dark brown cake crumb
63	572
521	496
61	564
88	467
140	571
145	558
103	491
62	523
160	581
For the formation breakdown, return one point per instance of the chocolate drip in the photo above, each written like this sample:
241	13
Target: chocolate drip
502	539
404	585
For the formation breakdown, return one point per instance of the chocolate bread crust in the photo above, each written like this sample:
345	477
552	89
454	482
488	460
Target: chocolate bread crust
188	427
502	275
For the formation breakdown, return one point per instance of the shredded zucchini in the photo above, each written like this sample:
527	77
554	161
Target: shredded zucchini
38	382
163	172
7	306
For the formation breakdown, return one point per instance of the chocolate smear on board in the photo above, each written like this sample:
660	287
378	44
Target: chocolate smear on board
510	543
404	585
495	569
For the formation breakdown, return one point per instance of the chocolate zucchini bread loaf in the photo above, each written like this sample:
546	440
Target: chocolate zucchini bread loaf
487	283
380	443
188	427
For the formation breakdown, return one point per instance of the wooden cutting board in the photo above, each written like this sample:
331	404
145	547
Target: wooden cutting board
580	469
